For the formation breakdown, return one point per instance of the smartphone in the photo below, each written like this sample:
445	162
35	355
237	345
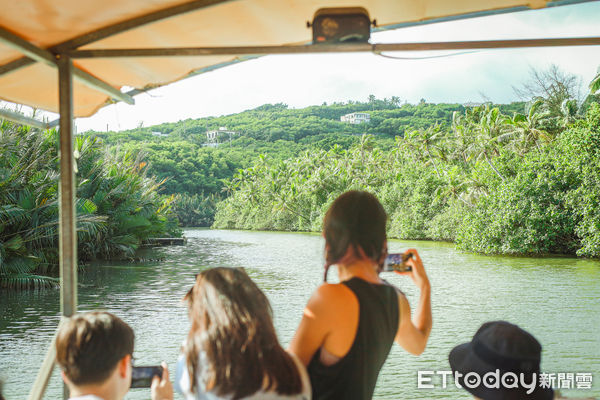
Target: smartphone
141	377
397	262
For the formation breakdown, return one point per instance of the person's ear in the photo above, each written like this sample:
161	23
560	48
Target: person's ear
384	252
124	365
64	377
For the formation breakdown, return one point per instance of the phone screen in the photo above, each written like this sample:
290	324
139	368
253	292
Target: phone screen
141	377
396	262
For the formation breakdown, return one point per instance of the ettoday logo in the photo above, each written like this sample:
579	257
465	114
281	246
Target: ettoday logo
506	380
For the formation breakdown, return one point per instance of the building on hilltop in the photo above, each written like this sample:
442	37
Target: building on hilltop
472	104
356	118
159	134
215	136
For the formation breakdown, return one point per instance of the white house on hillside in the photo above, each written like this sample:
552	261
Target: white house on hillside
213	136
356	118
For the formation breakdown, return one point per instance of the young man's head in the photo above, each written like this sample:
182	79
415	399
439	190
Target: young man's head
94	352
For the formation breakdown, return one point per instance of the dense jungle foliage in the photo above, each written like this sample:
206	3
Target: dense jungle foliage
196	171
117	204
522	178
526	183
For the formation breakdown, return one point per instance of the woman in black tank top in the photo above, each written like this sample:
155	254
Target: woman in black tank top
348	329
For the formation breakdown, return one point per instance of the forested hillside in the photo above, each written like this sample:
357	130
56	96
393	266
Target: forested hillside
197	171
491	183
493	179
521	178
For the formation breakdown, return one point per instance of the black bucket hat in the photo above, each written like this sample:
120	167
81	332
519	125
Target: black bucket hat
500	347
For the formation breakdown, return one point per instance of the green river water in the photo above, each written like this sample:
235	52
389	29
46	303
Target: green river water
556	299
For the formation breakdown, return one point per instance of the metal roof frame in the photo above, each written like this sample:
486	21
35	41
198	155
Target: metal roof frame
35	54
61	55
111	30
50	56
335	48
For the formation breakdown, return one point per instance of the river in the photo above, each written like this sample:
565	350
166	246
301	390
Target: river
556	299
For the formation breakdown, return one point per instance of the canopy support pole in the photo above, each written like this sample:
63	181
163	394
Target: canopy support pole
21	119
66	198
48	58
45	372
67	239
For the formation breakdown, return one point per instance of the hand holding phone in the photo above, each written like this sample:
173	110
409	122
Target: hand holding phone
141	377
417	273
397	262
161	388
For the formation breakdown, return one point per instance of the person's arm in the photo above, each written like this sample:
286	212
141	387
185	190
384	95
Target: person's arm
413	333
161	388
315	324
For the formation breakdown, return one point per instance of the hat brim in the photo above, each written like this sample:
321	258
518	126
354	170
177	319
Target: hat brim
462	359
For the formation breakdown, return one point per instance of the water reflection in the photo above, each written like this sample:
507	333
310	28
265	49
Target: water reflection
554	298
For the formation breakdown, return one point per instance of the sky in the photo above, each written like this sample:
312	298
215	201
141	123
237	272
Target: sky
303	80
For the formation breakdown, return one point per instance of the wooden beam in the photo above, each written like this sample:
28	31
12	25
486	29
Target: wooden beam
15	65
489	44
21	119
48	58
23	46
92	82
67	240
45	371
334	48
136	22
117	28
135	92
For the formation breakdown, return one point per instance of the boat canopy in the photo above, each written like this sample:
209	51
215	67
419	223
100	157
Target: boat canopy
111	50
193	37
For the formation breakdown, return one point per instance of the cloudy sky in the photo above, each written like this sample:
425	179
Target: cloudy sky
302	80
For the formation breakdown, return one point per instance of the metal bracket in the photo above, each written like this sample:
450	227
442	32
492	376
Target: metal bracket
48	58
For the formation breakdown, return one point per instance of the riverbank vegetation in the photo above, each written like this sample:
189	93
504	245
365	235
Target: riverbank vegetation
495	183
519	178
491	183
196	169
118	206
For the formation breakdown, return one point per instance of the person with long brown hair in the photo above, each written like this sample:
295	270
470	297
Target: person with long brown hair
232	350
347	329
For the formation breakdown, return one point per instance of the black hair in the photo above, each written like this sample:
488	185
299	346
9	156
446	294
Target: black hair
357	219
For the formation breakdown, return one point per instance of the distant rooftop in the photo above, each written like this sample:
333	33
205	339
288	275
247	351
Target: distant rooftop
356	118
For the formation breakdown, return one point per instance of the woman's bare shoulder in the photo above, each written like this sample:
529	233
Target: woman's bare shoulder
329	290
330	296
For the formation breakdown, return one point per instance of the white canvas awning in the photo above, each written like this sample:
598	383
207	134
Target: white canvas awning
33	32
102	46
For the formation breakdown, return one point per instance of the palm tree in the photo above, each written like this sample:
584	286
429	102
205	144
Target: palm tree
427	140
526	130
569	110
455	186
372	101
117	204
463	138
488	125
365	145
595	83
